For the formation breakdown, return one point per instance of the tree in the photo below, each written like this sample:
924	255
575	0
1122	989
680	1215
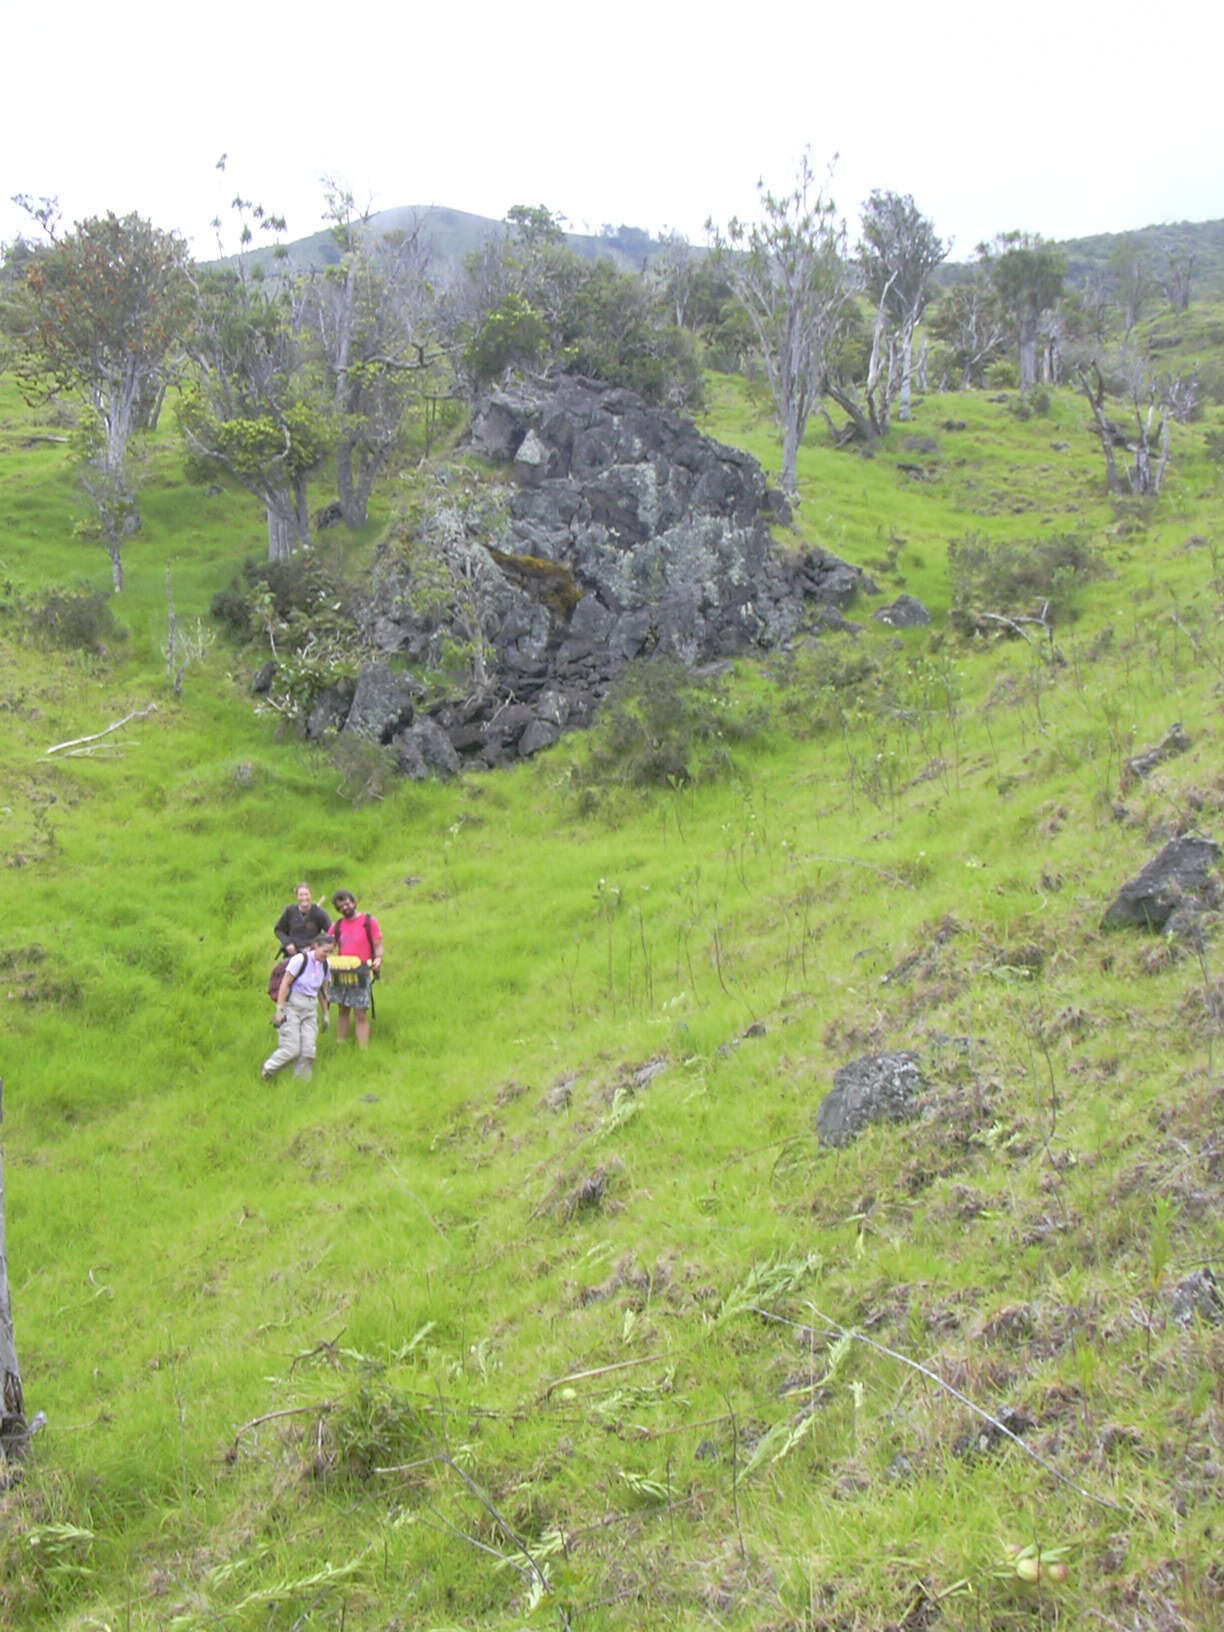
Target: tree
1178	275
968	320
370	319
1147	444
898	253
99	314
1134	283
250	410
788	272
673	272
533	304
14	1434
246	412
1027	273
531	225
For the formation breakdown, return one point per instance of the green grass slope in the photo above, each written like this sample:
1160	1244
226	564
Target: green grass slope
551	1310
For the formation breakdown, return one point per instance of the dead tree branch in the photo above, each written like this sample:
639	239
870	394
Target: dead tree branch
75	742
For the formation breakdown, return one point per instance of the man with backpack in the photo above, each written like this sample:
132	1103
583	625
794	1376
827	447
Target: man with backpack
355	967
303	991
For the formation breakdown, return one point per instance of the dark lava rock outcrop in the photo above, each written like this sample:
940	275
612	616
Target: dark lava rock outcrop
629	534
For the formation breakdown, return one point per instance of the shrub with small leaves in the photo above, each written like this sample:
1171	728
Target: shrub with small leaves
1035	578
368	770
78	620
661	726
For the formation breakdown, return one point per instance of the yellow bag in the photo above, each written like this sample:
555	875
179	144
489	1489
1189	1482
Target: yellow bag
346	970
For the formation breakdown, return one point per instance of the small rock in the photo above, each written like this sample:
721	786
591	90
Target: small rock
1182	872
1197	1298
1174	741
875	1088
906	612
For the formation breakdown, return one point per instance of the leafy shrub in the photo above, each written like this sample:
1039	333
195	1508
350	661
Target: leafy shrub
76	620
368	770
1039	577
820	682
662	726
309	582
302	610
1002	375
512	335
374	1426
1036	401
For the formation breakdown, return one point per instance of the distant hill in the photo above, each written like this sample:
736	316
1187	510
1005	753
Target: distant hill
455	233
1093	255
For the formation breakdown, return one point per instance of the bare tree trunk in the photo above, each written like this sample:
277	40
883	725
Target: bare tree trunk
361	496
791	437
1096	401
907	368
301	504
860	428
14	1434
281	534
345	487
1028	353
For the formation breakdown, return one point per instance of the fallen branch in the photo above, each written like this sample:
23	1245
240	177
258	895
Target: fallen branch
101	747
602	1371
75	742
841	1331
322	1408
1043	622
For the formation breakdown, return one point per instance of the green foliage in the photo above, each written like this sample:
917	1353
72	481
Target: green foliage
249	447
609	330
368	770
544	307
510	336
1035	578
76	620
1002	375
301	611
660	726
99	310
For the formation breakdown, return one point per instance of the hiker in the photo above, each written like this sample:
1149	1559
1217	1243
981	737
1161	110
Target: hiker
359	956
303	993
300	922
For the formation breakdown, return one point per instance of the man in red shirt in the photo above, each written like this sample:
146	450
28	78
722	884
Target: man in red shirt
357	936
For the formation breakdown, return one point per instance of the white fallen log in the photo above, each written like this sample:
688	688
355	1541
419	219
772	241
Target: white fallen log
75	742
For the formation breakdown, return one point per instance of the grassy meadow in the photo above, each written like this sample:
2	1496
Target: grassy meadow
550	1310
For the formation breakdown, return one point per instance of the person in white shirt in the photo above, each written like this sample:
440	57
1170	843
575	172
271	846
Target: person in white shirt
301	1005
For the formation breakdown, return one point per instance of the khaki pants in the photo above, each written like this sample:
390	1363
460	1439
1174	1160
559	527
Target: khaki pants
298	1035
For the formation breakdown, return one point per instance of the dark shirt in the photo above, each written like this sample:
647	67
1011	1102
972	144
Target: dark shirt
298	928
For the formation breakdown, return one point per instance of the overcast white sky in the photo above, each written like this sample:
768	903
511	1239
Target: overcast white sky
1064	117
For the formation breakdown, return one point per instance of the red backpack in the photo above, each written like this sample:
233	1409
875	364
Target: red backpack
278	974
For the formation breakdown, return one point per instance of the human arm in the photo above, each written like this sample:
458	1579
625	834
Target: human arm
282	932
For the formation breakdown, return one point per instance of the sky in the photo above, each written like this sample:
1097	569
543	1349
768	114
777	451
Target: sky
1062	117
